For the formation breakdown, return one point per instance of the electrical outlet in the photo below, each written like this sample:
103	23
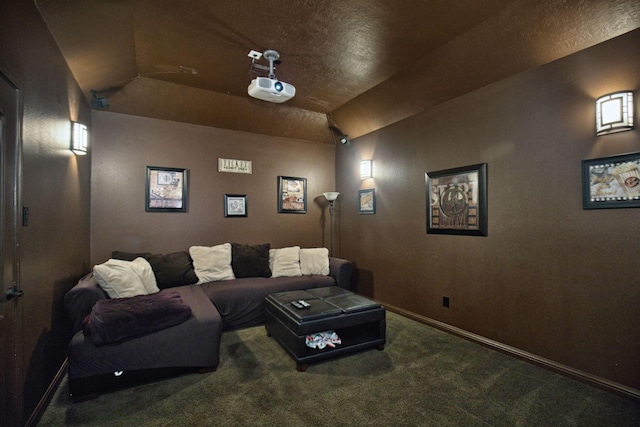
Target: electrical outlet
445	302
25	216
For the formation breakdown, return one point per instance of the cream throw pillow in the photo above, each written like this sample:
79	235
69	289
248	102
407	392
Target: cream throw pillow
285	262
212	264
314	261
121	279
144	271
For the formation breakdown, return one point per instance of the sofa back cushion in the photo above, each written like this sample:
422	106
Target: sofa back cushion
171	270
121	279
285	262
212	263
250	260
174	269
314	261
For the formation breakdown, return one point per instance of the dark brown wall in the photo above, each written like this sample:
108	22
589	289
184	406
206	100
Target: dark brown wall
54	248
124	145
551	278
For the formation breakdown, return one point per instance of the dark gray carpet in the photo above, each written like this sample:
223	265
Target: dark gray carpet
424	377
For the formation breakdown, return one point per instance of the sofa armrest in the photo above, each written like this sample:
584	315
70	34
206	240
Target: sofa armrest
341	270
80	299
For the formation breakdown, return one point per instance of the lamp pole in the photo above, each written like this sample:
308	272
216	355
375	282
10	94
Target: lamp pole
332	210
331	196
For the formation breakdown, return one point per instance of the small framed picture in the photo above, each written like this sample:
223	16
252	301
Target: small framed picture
457	201
292	195
166	189
611	182
367	201
235	205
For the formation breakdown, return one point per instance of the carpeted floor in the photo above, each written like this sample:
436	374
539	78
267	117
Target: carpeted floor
424	377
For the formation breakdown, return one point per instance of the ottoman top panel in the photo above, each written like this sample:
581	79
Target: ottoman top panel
327	291
318	309
285	298
350	302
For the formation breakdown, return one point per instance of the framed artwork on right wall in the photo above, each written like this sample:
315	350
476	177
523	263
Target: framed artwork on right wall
367	201
611	182
457	201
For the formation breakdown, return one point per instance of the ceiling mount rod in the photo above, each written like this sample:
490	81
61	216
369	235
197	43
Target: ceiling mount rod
271	56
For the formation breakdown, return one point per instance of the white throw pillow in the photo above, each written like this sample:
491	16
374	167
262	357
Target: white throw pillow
213	263
314	261
285	262
143	269
118	280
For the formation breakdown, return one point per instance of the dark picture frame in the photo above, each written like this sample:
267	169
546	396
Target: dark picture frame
457	201
367	201
292	195
235	205
166	189
611	182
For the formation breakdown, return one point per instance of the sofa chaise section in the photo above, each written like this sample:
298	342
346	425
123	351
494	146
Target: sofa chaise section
193	344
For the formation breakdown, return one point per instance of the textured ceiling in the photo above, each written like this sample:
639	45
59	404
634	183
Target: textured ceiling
186	60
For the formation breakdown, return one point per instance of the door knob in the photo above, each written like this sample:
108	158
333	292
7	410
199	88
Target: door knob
13	292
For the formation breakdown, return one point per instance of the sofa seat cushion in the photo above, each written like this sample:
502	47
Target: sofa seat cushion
193	343
241	301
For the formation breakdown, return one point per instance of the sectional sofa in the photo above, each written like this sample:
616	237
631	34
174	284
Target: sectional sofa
207	290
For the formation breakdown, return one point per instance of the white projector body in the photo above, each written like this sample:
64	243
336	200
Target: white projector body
271	90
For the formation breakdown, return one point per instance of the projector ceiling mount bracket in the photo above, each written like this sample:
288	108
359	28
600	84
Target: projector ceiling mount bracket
270	55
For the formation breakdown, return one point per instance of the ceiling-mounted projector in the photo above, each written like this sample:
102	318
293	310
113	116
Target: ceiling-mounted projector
269	88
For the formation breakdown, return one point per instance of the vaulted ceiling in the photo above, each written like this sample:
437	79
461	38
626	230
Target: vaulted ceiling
362	64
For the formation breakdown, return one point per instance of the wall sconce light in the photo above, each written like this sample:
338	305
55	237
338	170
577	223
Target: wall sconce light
365	169
79	138
614	113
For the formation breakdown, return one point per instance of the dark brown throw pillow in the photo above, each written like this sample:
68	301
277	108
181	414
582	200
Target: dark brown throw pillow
171	270
129	256
174	269
250	260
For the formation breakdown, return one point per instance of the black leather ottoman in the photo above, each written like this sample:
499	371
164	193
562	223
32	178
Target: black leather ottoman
358	321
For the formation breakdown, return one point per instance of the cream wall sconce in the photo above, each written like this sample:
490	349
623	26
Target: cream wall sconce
614	113
365	169
79	139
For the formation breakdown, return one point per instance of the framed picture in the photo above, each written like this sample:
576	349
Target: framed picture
292	195
367	201
611	182
166	190
457	201
235	205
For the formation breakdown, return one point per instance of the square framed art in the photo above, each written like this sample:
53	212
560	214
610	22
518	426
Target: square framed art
457	201
166	189
235	205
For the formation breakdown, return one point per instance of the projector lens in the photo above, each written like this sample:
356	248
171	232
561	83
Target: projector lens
278	86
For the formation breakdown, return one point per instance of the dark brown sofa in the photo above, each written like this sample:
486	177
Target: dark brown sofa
192	345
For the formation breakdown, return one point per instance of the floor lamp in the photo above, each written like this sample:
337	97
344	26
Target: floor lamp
331	196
